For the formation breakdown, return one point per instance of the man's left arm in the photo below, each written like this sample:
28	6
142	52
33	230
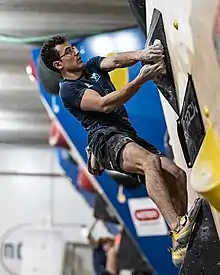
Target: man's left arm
121	60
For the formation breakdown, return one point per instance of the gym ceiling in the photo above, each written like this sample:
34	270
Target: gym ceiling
25	24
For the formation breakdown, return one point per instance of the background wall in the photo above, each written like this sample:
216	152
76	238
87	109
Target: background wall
29	199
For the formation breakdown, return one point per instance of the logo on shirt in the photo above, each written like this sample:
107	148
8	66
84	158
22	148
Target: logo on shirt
88	85
95	77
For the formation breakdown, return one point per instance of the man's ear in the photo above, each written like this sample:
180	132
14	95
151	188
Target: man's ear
58	64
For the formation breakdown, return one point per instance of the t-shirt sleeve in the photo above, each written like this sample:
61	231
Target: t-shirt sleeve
72	94
95	62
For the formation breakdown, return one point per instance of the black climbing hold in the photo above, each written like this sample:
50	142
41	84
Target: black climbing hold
203	255
127	181
130	258
102	211
49	79
165	84
190	127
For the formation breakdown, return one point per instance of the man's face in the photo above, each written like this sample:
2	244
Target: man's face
70	60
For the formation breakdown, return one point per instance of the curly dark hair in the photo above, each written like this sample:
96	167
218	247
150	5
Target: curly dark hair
106	240
48	52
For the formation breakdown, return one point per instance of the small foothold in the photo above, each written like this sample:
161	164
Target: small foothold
176	24
206	111
121	198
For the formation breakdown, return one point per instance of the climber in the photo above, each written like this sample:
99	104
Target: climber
88	94
104	257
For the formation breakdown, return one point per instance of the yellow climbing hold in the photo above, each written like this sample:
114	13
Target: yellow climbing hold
176	24
119	77
120	196
206	111
205	174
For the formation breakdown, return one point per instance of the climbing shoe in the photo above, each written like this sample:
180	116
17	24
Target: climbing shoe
187	224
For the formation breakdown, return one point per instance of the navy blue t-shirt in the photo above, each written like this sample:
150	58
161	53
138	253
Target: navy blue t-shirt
72	91
99	260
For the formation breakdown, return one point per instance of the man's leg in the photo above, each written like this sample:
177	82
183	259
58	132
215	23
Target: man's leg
135	159
158	171
124	154
176	181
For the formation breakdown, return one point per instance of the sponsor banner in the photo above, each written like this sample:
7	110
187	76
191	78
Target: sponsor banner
146	217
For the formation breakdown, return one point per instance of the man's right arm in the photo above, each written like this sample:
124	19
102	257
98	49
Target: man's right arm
92	101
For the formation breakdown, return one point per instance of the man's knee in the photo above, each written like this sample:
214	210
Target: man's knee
136	159
152	161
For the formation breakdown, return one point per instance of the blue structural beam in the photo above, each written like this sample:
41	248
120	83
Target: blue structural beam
146	114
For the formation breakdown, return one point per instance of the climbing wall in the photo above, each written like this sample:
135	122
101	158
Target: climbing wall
192	29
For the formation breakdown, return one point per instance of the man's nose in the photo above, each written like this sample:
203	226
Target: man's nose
76	51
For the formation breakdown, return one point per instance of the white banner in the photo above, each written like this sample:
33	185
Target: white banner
146	217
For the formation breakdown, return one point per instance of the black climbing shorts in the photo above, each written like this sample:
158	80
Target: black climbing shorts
108	146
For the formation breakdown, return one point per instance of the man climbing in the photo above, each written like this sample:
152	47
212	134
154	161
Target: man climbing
104	258
88	94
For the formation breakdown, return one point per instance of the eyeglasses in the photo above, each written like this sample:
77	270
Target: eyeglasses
69	51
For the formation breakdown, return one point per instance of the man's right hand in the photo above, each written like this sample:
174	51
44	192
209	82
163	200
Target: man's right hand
152	54
151	72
